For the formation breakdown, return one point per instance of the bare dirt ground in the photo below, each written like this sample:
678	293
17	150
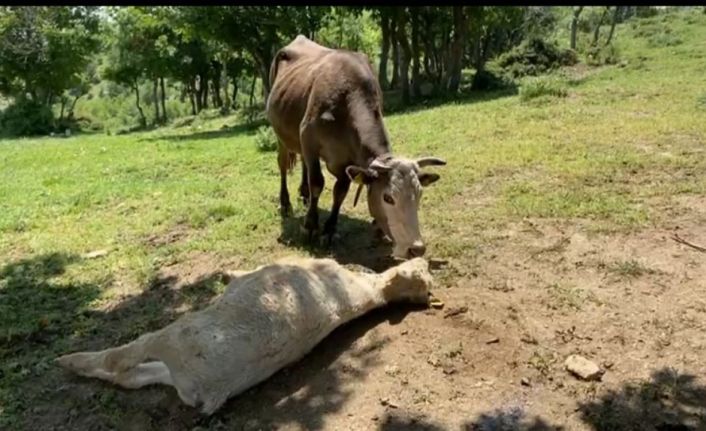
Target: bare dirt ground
491	359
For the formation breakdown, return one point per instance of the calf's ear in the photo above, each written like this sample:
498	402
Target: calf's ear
428	178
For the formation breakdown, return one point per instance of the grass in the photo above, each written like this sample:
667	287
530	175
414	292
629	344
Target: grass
597	154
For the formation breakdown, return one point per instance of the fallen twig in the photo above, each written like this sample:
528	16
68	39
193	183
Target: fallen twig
681	240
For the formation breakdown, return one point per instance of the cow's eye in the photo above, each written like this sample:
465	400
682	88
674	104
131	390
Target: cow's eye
388	199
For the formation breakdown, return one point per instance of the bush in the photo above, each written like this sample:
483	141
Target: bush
486	80
26	118
265	139
663	39
534	57
534	87
603	54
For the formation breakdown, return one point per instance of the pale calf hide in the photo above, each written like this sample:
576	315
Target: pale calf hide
265	320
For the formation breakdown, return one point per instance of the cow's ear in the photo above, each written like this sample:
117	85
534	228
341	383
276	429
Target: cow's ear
428	178
361	175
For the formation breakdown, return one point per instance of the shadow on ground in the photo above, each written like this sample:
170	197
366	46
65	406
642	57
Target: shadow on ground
239	129
355	244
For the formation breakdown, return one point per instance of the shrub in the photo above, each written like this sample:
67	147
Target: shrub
534	57
602	54
534	87
663	39
265	139
26	118
486	80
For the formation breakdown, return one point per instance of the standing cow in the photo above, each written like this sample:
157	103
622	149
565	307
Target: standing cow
327	104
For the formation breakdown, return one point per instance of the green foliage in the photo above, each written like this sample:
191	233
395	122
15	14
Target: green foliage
548	85
26	117
663	39
602	54
265	139
350	29
535	56
43	50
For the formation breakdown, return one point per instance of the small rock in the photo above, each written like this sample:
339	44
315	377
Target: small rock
492	340
608	365
404	332
454	311
392	370
375	418
583	368
387	403
525	382
433	360
95	254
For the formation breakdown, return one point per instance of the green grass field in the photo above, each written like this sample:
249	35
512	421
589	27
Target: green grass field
609	151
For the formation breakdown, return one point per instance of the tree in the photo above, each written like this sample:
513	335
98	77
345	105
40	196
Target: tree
43	50
460	20
574	25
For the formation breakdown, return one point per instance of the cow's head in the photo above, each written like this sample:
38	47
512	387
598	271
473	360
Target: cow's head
394	191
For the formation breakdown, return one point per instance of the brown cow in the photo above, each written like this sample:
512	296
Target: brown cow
327	104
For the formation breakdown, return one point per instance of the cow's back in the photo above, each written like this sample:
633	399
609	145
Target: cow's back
305	75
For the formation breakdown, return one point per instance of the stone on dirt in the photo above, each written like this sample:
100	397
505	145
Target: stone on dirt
583	368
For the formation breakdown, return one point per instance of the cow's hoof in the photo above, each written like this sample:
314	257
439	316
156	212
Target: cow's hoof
329	239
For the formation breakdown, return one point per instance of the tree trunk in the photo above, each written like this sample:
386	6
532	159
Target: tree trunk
406	52
164	100
63	105
415	53
428	48
616	13
395	57
453	79
143	119
155	100
384	51
204	91
575	25
235	93
225	92
597	31
252	91
73	106
195	96
217	76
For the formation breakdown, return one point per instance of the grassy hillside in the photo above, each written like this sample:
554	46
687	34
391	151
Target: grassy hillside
609	151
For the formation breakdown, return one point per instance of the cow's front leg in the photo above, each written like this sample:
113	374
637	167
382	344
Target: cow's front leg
316	185
304	186
340	190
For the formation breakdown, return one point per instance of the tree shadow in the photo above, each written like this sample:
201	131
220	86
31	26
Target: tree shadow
669	401
227	132
394	106
513	419
356	243
35	309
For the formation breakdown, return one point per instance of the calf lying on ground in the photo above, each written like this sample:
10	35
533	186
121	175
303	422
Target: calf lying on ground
266	319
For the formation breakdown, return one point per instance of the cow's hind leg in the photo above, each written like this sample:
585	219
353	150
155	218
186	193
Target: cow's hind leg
148	373
284	161
340	190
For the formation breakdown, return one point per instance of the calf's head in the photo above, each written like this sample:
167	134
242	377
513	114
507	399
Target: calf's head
394	191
